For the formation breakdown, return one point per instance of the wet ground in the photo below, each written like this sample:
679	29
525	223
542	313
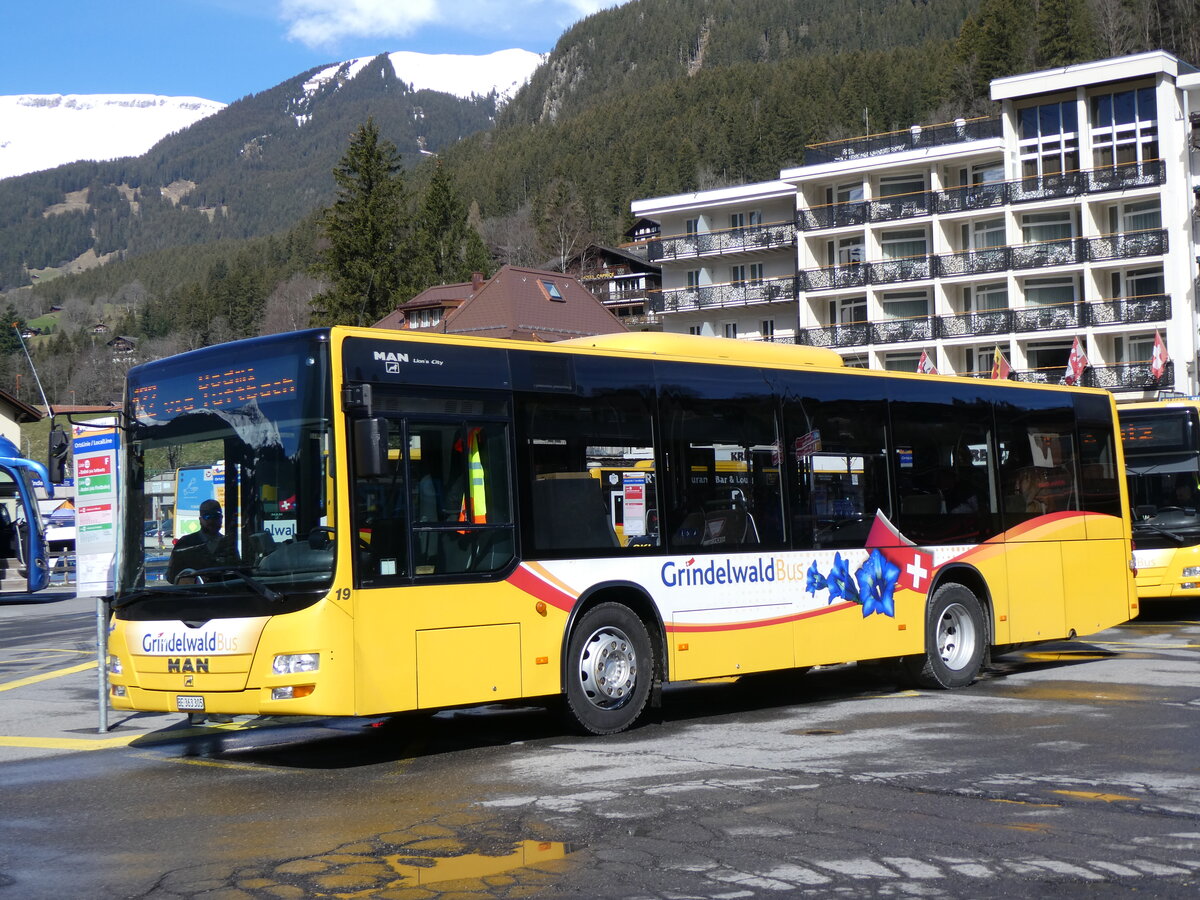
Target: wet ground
1068	770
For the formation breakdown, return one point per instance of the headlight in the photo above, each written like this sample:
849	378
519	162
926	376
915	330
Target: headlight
290	663
1191	571
114	665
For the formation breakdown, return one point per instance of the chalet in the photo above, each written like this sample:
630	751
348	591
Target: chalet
622	280
122	345
518	303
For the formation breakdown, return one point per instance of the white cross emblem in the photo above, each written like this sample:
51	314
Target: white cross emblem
916	570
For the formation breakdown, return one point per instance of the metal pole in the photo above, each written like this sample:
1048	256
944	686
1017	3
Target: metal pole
102	663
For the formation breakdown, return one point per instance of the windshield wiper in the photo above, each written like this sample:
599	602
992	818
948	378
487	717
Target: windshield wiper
147	593
1146	526
244	572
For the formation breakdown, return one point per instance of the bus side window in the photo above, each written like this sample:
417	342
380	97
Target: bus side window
591	477
835	454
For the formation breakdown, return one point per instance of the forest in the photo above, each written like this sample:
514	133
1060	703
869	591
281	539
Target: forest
215	233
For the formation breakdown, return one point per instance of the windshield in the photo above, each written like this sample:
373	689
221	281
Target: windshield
1163	464
229	493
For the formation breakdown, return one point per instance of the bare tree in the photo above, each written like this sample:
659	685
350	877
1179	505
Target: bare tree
289	306
512	239
1114	27
562	221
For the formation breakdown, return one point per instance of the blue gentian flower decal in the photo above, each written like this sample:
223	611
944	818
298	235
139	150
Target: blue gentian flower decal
816	581
877	584
841	585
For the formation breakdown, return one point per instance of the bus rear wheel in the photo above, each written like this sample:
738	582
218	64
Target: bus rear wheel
610	666
955	640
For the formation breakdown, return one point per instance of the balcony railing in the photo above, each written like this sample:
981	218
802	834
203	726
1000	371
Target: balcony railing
1043	254
984	196
916	138
744	293
1119	311
1129	377
731	240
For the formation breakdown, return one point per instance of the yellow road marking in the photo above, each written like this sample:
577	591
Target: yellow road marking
1092	795
46	676
214	763
41	743
1140	646
1026	803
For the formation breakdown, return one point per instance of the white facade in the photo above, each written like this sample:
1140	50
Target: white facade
1068	214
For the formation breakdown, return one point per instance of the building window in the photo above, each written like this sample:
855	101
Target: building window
730	329
849	252
985	297
1048	360
845	193
857	361
696	330
1131	349
982	173
979	360
848	311
756	273
737	275
906	305
1144	215
902	362
550	289
691	227
1049	138
1049	291
693	279
737	221
1047	226
1139	283
899	185
904	244
768	329
984	234
756	218
1124	127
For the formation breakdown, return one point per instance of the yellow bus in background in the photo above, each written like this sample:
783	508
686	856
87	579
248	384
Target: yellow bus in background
473	520
1162	458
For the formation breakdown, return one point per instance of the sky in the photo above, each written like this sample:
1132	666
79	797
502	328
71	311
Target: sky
225	49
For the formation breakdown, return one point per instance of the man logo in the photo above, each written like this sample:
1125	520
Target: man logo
187	666
392	368
190	681
391	360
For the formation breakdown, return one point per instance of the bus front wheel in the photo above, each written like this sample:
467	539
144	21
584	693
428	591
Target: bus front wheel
955	640
610	666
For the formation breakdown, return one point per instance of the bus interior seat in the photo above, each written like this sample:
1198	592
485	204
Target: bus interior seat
570	513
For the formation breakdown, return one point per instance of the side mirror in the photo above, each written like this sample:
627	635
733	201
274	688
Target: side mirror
370	447
57	454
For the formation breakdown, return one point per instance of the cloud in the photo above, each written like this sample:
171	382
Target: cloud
323	23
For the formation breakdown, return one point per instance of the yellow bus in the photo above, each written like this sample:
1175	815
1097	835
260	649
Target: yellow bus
1162	459
421	522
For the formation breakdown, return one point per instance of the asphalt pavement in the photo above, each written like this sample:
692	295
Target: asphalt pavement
49	681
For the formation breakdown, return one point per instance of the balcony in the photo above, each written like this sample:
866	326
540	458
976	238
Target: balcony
971	197
717	296
1129	377
749	239
917	138
989	323
1043	254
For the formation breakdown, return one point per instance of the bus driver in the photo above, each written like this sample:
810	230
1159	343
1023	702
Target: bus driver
203	549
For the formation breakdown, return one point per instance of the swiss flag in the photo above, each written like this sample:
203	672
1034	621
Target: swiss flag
288	505
925	365
1076	363
1159	358
915	563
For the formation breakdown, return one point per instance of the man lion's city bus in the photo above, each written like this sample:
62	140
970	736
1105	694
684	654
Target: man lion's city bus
1162	459
419	526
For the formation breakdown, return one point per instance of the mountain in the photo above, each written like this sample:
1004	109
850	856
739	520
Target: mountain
41	131
252	168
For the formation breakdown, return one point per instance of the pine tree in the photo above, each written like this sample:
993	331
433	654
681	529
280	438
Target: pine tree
449	247
367	227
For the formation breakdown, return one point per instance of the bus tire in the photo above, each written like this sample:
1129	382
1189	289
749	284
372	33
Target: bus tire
955	640
610	668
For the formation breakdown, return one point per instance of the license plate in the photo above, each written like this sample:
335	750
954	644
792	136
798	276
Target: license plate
189	704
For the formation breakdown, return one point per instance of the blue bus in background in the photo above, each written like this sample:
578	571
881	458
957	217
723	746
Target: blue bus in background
23	557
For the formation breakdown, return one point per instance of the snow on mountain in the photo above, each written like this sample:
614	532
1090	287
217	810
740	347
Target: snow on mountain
41	131
461	75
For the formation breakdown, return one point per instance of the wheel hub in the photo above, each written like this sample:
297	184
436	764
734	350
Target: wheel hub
956	636
608	668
